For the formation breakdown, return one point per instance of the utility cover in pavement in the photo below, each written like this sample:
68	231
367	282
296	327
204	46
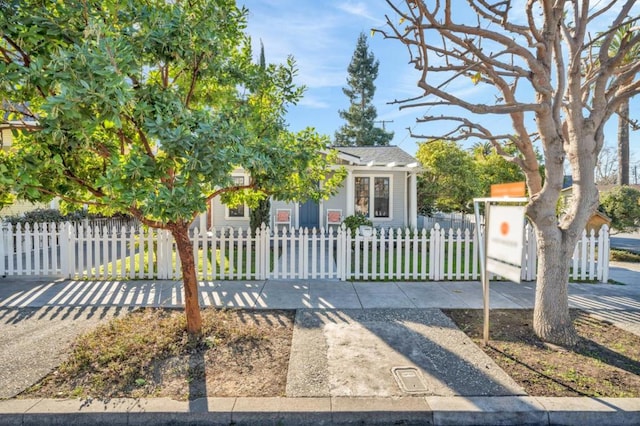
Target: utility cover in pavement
409	379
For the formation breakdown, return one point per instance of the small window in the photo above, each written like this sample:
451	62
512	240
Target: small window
239	210
362	195
381	197
373	201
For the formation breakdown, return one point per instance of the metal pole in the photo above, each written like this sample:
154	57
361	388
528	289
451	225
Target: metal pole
485	277
481	233
483	245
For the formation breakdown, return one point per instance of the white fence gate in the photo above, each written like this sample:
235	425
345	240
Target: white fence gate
228	253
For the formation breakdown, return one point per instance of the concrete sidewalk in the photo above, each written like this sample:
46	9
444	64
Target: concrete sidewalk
362	352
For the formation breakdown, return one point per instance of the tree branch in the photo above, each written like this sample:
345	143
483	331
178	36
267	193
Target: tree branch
96	192
220	191
194	79
142	136
66	197
137	213
26	60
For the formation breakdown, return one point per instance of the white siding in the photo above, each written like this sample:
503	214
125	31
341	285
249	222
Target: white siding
20	207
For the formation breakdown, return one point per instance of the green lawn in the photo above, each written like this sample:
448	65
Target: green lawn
224	262
392	257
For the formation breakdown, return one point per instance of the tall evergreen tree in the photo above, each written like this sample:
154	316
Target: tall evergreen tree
261	212
359	129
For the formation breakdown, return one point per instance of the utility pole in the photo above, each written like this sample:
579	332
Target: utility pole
383	123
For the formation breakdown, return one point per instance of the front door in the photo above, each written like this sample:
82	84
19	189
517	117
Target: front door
309	215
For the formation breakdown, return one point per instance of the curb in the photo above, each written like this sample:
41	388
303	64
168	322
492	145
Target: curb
430	410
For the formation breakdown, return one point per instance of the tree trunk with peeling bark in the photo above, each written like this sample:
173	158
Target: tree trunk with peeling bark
184	245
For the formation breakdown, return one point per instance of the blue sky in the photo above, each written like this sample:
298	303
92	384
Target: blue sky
322	35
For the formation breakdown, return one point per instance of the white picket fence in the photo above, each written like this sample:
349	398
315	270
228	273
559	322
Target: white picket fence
221	254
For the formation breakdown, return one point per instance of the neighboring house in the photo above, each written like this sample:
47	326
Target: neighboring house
18	207
599	218
381	183
567	192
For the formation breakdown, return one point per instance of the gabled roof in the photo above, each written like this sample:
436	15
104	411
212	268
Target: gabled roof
377	156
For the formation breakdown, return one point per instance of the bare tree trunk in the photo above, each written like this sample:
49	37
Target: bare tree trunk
623	144
180	233
551	319
557	237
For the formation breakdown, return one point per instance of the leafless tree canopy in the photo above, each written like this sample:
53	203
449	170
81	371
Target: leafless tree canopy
531	60
607	167
546	67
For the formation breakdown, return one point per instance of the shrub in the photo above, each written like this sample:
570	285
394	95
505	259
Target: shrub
353	222
51	215
622	205
36	216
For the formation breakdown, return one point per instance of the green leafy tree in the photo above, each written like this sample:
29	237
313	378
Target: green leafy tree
146	108
449	181
622	205
260	213
6	195
360	129
493	168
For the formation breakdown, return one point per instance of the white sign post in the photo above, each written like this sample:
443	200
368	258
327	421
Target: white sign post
500	243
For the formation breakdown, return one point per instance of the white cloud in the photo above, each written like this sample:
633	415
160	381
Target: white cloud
314	35
362	10
312	102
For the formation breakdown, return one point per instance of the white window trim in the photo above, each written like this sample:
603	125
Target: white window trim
227	216
372	177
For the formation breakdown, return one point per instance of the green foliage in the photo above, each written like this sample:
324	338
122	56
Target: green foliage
624	256
147	107
6	181
450	178
51	215
353	222
492	168
259	214
622	205
359	129
6	198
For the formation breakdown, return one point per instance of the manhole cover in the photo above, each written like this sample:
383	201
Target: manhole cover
409	379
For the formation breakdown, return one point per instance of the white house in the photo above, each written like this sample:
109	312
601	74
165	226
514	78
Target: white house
381	183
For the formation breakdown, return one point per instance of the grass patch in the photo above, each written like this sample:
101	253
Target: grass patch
226	261
397	262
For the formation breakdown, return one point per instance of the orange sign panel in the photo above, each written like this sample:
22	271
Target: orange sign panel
514	189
